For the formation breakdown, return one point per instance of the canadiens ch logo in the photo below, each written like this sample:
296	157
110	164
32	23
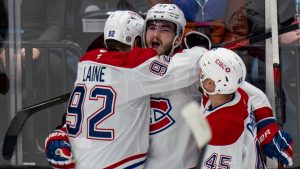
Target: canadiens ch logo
158	68
160	118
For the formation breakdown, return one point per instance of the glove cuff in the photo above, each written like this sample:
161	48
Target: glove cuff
70	166
267	133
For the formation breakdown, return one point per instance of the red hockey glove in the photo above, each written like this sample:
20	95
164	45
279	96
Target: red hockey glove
58	150
275	143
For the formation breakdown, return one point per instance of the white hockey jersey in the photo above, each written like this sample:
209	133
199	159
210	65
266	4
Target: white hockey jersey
172	144
234	144
108	112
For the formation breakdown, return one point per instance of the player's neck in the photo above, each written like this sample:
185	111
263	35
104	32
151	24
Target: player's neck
218	99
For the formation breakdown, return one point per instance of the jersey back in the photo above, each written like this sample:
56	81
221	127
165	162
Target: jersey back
108	112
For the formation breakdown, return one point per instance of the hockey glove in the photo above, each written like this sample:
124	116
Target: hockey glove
58	150
194	38
275	143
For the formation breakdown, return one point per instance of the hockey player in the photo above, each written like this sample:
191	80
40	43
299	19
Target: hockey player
229	112
107	121
171	141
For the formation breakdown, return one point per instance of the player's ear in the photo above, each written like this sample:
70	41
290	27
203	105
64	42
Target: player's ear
137	42
212	85
178	41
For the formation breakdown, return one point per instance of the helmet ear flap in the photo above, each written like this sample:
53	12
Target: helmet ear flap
180	30
137	41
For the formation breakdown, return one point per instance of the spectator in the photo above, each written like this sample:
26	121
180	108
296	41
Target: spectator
222	20
255	14
234	20
201	10
41	21
47	26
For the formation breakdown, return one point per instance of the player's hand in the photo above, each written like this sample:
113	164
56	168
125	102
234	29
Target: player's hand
280	147
275	143
35	53
58	150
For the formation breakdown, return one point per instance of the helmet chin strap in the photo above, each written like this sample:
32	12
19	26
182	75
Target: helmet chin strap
173	46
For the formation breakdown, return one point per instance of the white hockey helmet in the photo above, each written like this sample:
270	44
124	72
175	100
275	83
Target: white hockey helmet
123	26
168	12
225	68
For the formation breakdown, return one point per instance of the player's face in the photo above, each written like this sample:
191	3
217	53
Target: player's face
206	83
160	36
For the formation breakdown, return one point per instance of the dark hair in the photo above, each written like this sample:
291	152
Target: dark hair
113	45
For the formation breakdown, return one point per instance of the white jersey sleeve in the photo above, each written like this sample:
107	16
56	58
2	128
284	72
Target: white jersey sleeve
162	74
259	99
260	104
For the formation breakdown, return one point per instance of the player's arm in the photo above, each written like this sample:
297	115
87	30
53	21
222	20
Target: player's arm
274	142
161	74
